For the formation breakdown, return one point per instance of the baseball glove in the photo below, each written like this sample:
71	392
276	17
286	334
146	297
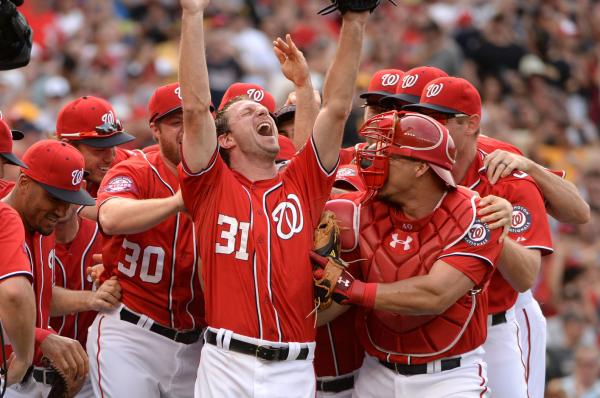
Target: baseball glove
63	386
328	266
351	5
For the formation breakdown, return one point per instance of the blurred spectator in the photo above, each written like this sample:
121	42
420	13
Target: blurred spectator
584	382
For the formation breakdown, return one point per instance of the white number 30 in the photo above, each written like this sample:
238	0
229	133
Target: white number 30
230	237
133	257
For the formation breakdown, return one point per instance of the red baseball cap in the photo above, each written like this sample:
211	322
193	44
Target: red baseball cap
6	139
348	178
164	101
449	95
59	168
255	92
91	121
410	87
383	83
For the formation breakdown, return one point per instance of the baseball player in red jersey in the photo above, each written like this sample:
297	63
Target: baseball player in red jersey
6	140
456	103
428	258
256	222
77	239
339	353
382	83
90	125
41	196
149	347
17	314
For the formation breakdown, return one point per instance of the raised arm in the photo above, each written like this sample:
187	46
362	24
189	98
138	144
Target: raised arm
338	89
295	69
563	201
199	137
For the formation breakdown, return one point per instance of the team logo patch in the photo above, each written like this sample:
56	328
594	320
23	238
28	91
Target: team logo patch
289	218
521	220
345	172
119	184
479	234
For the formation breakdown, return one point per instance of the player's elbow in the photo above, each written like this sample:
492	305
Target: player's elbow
108	223
582	215
17	293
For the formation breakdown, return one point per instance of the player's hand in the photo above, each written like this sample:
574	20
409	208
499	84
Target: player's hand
194	5
17	368
95	272
496	212
502	163
178	202
293	63
107	297
67	354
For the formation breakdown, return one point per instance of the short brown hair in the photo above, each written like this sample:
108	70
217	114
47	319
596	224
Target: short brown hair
222	124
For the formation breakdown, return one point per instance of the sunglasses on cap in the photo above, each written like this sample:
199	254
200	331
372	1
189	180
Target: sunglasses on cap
442	117
104	130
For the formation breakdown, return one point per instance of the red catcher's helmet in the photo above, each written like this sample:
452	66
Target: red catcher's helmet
405	134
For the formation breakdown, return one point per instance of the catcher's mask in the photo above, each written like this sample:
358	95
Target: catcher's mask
404	134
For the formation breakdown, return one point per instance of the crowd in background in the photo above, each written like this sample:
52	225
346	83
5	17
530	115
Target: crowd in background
535	62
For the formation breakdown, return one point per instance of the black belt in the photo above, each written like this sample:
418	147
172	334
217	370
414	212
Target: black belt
499	318
188	337
45	376
411	370
336	385
264	352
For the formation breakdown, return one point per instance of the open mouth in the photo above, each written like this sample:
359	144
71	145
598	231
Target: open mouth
265	129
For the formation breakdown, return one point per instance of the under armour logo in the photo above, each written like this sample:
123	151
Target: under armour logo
390	79
395	241
344	282
434	89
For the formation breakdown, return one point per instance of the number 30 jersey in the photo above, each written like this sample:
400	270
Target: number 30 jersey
157	269
254	239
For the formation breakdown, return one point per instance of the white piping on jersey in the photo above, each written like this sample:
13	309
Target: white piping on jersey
85	253
10	275
337	163
466	254
466	231
264	204
64	285
41	284
187	306
254	273
174	248
333	354
208	166
39	306
550	249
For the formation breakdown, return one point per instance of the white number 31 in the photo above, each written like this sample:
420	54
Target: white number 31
230	236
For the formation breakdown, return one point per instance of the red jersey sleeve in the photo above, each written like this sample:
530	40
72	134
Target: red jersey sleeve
475	255
529	225
312	178
197	187
122	181
14	261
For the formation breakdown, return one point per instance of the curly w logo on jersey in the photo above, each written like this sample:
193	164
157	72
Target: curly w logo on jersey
288	216
479	234
521	220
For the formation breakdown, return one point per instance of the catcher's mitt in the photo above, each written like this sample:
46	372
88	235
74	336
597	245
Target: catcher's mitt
351	5
63	385
328	265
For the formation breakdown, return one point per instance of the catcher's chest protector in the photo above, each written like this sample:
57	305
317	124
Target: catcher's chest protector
396	249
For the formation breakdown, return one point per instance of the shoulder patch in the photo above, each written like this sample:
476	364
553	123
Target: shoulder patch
521	220
120	184
479	234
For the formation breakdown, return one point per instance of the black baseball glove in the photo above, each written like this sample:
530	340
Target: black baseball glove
351	5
